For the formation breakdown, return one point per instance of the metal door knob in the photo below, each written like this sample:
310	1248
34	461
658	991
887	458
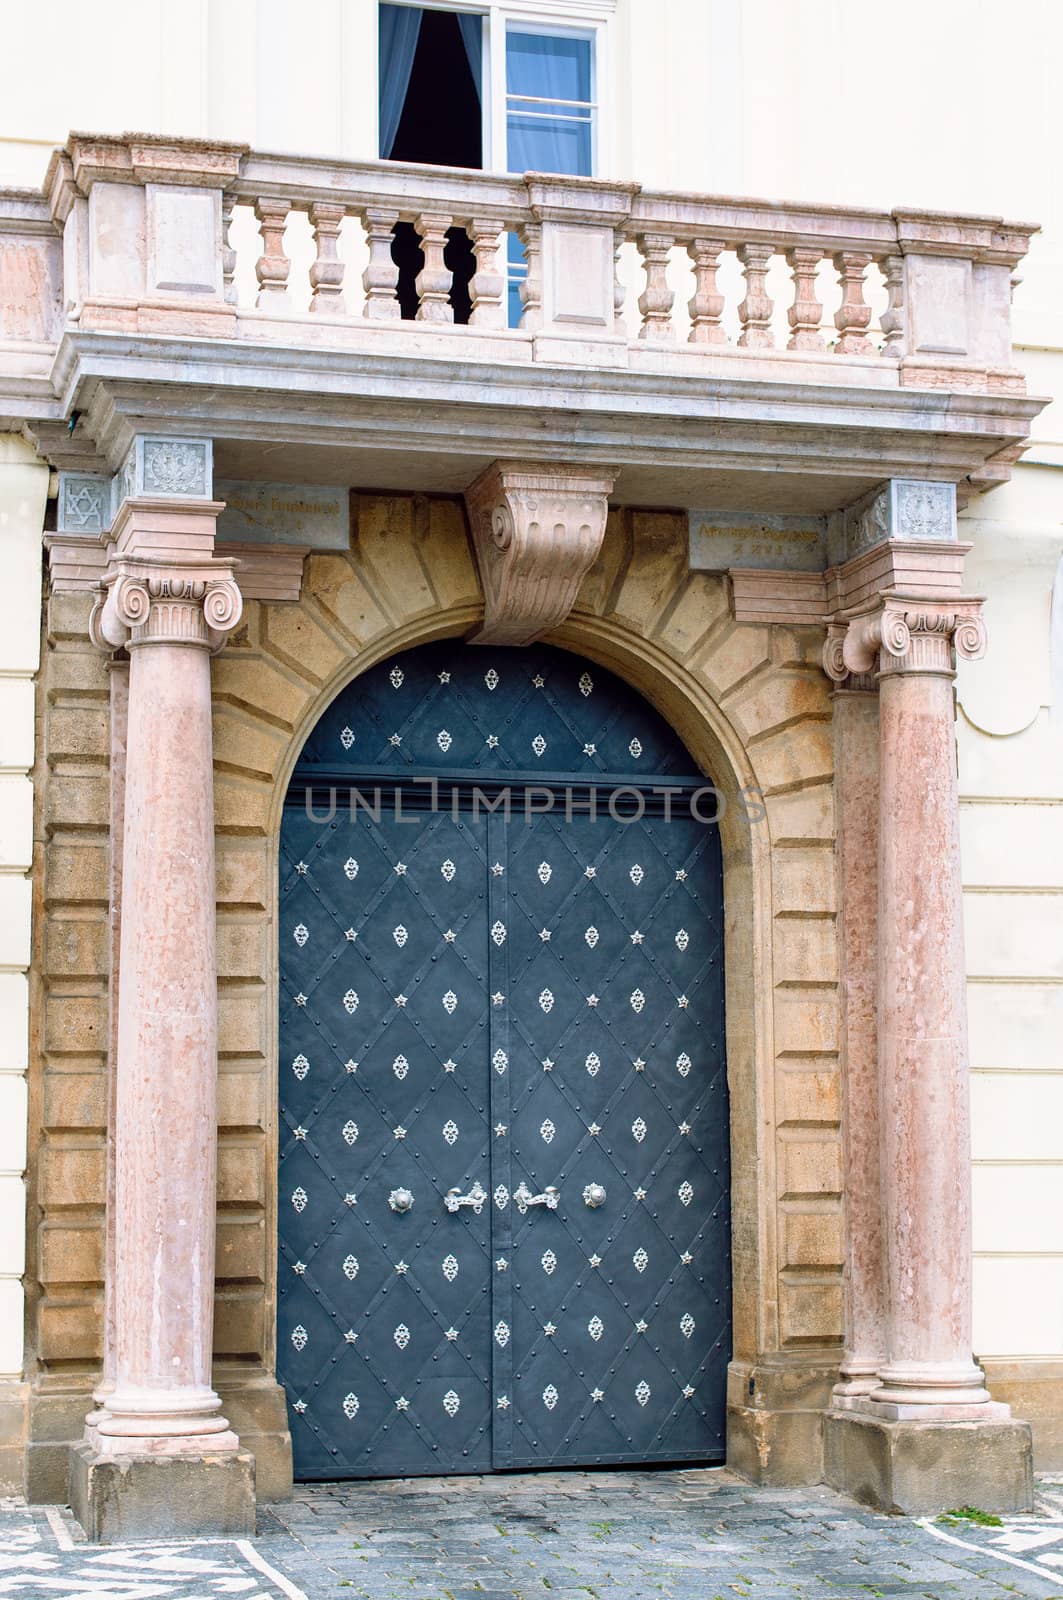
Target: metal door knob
524	1198
400	1200
594	1195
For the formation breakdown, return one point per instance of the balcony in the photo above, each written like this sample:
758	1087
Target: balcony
721	352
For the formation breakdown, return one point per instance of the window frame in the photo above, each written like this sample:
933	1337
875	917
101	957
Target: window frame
580	19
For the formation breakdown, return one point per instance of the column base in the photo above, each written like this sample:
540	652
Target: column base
922	1467
131	1497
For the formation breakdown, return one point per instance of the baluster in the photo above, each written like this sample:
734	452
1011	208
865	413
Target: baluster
707	303
755	310
228	254
434	278
531	289
655	301
619	288
488	286
381	276
853	315
805	316
326	274
893	316
272	266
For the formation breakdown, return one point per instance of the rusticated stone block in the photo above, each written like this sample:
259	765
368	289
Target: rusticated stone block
75	1100
733	656
806	950
247	742
802	753
71	1175
383	537
80	800
77	873
240	1099
71	1255
810	1312
241	949
803	815
241	1251
241	1022
808	1094
657	569
124	1498
77	948
78	733
239	1325
806	1022
299	640
812	1239
80	671
248	679
803	879
75	1024
340	590
242	804
809	1166
240	1175
68	615
70	1332
444	548
702	603
243	874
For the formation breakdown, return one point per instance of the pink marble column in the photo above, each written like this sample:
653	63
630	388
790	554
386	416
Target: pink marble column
922	1034
856	788
170	613
118	672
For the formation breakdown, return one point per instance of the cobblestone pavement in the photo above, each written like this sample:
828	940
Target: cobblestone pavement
686	1535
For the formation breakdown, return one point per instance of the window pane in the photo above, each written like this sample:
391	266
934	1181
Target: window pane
548	66
545	144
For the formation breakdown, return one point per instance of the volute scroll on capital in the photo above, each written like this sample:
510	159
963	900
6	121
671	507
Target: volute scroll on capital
148	602
904	634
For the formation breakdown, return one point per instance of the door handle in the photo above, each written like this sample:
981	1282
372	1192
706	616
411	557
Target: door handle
454	1199
524	1198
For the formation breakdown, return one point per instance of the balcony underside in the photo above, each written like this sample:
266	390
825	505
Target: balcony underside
386	419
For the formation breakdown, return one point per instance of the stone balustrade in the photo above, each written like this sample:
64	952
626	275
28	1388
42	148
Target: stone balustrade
149	235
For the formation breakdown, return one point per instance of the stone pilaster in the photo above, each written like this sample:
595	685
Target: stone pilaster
159	1438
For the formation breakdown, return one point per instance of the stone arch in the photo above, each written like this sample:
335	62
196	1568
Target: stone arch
753	708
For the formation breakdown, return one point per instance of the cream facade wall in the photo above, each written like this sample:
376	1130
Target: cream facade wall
23	491
715	95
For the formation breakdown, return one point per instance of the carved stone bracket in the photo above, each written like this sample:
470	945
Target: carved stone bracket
904	633
154	602
536	529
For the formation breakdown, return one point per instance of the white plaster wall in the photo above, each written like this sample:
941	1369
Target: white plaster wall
23	489
952	104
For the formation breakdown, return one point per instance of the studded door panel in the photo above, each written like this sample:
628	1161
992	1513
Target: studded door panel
520	1011
383	1315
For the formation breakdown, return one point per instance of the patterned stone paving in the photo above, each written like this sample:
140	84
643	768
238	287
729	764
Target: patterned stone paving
687	1535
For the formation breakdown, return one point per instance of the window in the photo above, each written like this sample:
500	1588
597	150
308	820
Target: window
549	121
432	109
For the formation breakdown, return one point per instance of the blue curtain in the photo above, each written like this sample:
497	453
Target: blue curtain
472	39
400	27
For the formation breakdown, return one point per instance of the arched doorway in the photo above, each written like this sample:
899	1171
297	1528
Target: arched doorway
504	1199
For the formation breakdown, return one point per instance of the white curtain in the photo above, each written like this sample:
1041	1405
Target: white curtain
472	38
400	27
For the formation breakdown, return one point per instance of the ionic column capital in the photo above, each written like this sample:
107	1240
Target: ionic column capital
142	601
904	634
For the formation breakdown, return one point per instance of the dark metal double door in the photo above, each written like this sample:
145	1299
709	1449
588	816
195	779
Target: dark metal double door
504	1216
